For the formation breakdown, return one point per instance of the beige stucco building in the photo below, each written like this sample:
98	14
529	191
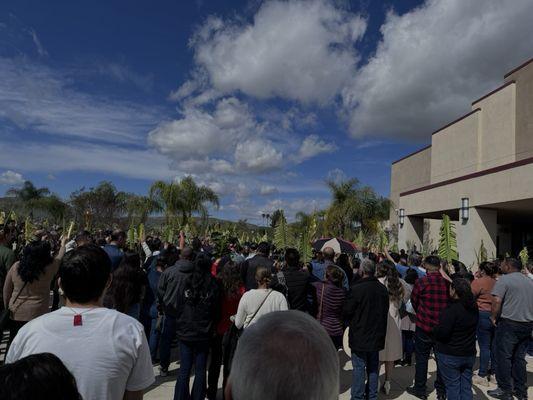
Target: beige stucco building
479	166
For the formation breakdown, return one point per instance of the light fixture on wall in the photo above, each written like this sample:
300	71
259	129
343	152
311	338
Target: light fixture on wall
465	204
401	214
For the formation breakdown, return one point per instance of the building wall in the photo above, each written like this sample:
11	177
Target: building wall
455	149
407	174
524	110
497	128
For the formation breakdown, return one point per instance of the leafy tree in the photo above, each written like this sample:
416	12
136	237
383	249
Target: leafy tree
139	208
103	204
55	207
274	218
354	207
183	198
29	195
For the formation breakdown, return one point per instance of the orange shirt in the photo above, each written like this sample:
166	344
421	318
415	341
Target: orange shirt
482	288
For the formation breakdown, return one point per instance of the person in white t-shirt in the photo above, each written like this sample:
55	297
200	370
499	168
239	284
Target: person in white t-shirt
106	351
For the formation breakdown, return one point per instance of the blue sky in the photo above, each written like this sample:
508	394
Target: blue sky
260	100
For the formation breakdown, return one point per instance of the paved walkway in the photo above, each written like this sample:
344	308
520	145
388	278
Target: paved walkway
163	389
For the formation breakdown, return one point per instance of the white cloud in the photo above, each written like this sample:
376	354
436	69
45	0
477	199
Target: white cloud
38	45
200	133
257	155
267	190
312	146
11	178
122	73
301	50
434	61
106	159
35	97
336	175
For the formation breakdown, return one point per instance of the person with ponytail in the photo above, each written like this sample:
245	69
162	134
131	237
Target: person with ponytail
398	294
455	337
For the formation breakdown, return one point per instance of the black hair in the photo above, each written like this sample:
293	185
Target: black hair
196	244
395	256
38	376
263	248
292	257
117	235
434	261
489	268
35	257
463	290
127	284
154	244
415	260
230	277
84	273
514	263
200	284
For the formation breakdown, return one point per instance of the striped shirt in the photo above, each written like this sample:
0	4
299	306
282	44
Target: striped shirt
429	297
330	300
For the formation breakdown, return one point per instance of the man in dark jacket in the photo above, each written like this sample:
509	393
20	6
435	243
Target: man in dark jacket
259	260
367	309
294	283
171	283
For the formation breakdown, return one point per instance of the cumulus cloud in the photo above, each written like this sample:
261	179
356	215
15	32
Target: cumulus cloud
11	178
300	50
434	61
312	146
257	155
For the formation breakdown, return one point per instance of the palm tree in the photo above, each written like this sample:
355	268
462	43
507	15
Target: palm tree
28	192
353	205
29	195
182	198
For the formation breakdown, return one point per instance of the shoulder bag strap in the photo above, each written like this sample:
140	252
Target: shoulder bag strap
17	297
260	305
321	301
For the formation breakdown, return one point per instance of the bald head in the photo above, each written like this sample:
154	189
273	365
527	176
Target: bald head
285	355
329	253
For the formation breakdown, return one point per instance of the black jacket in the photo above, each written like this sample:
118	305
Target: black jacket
250	266
299	288
456	332
196	319
171	284
367	309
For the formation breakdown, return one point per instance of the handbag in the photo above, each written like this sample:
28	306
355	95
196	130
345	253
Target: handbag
5	315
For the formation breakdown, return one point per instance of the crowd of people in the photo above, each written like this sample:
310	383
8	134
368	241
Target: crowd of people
89	318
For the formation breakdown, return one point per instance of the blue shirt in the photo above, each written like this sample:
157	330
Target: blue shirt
402	270
319	270
115	255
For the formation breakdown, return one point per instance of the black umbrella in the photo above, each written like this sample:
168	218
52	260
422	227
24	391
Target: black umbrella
337	244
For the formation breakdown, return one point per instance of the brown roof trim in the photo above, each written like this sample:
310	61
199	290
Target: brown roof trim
412	154
457	120
489	171
517	68
494	91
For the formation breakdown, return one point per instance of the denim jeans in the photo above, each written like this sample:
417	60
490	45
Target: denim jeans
456	373
167	335
485	336
424	343
154	338
512	340
408	344
192	353
365	365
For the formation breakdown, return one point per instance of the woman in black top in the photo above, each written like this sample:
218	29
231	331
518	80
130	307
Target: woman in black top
456	341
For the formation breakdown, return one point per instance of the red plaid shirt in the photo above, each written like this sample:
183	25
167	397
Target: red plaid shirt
429	297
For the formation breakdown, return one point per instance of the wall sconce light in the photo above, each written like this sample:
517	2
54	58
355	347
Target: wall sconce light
401	216
465	212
